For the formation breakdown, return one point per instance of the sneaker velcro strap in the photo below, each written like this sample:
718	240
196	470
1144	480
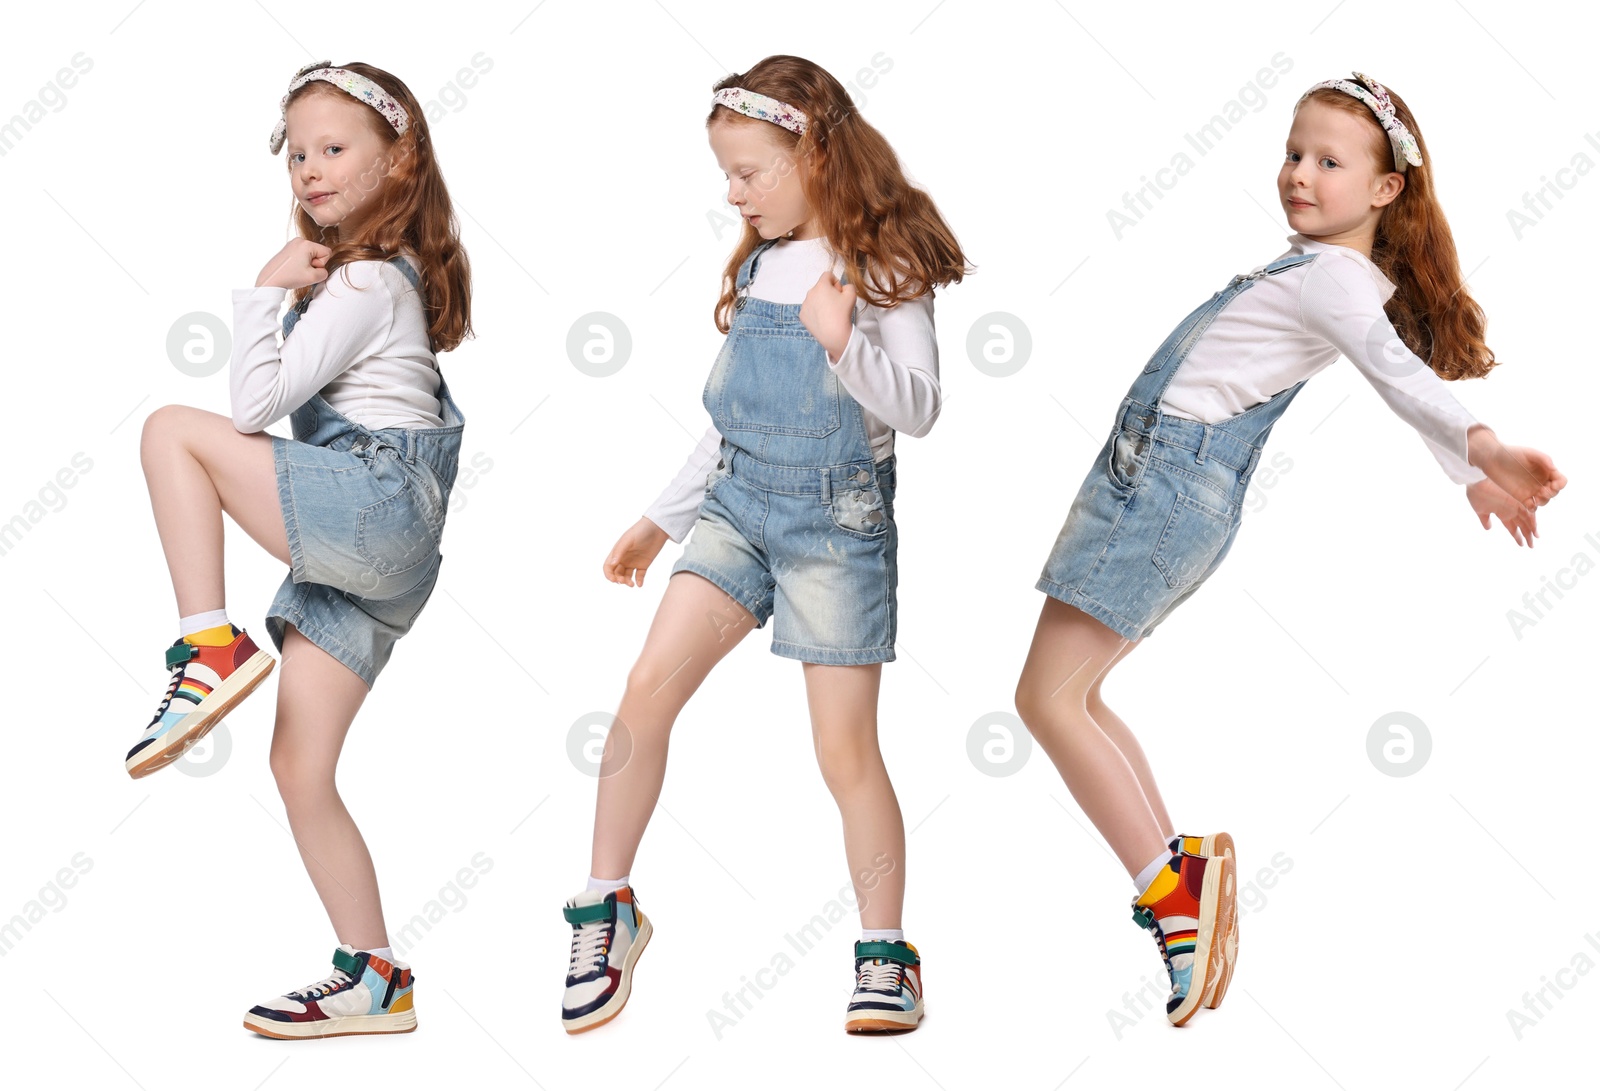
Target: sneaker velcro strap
1143	917
899	952
181	653
583	914
344	960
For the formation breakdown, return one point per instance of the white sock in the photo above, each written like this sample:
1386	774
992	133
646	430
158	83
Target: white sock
886	935
194	623
385	953
606	886
1170	838
1148	873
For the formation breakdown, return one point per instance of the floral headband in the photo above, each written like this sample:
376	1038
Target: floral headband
762	107
354	84
1371	92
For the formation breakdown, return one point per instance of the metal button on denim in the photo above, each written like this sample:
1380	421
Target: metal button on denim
863	477
874	516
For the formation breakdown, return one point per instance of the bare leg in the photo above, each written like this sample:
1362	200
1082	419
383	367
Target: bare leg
844	729
197	466
1117	731
1069	653
317	699
696	625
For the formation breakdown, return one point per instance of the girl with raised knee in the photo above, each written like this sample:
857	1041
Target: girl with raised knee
354	504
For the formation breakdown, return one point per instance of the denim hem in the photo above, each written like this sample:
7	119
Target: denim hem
1123	627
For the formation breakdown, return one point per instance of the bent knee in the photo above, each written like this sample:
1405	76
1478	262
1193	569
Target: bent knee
849	764
657	686
1037	699
300	781
160	427
174	425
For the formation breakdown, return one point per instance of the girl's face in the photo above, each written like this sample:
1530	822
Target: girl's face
1331	189
336	162
763	179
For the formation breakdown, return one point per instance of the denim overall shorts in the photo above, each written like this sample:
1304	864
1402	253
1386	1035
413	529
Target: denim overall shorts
797	521
1159	509
364	513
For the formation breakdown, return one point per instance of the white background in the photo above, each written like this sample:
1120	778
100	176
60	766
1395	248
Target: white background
1413	912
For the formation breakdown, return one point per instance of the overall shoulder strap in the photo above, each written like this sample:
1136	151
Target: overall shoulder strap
747	271
1288	261
405	267
292	315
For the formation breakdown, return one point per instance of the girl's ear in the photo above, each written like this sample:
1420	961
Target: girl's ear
1388	188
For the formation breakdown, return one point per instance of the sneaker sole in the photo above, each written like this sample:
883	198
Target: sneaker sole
337	1026
885	1022
206	715
1222	845
1216	917
612	1008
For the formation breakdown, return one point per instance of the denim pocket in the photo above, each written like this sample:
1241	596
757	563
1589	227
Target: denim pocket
1129	453
402	531
774	380
1193	537
861	511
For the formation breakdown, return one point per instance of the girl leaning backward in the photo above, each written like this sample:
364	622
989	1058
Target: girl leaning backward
1371	274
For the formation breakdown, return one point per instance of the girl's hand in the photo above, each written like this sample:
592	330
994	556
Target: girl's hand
1488	499
631	556
1528	475
825	312
299	263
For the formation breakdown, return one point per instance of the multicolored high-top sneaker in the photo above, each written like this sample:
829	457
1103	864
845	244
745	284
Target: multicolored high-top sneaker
1183	908
888	994
206	683
364	995
608	933
1217	844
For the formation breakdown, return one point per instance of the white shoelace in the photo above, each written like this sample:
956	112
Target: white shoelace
326	985
166	700
879	977
589	943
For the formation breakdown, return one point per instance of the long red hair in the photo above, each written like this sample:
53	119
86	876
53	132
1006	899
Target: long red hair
412	212
895	244
1431	309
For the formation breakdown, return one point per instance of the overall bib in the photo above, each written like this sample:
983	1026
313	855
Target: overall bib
1161	506
364	514
797	521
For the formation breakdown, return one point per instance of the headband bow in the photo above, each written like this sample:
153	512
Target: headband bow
1371	92
761	106
352	83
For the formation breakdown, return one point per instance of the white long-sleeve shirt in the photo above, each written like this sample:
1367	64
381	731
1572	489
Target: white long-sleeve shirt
363	345
1291	325
890	365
